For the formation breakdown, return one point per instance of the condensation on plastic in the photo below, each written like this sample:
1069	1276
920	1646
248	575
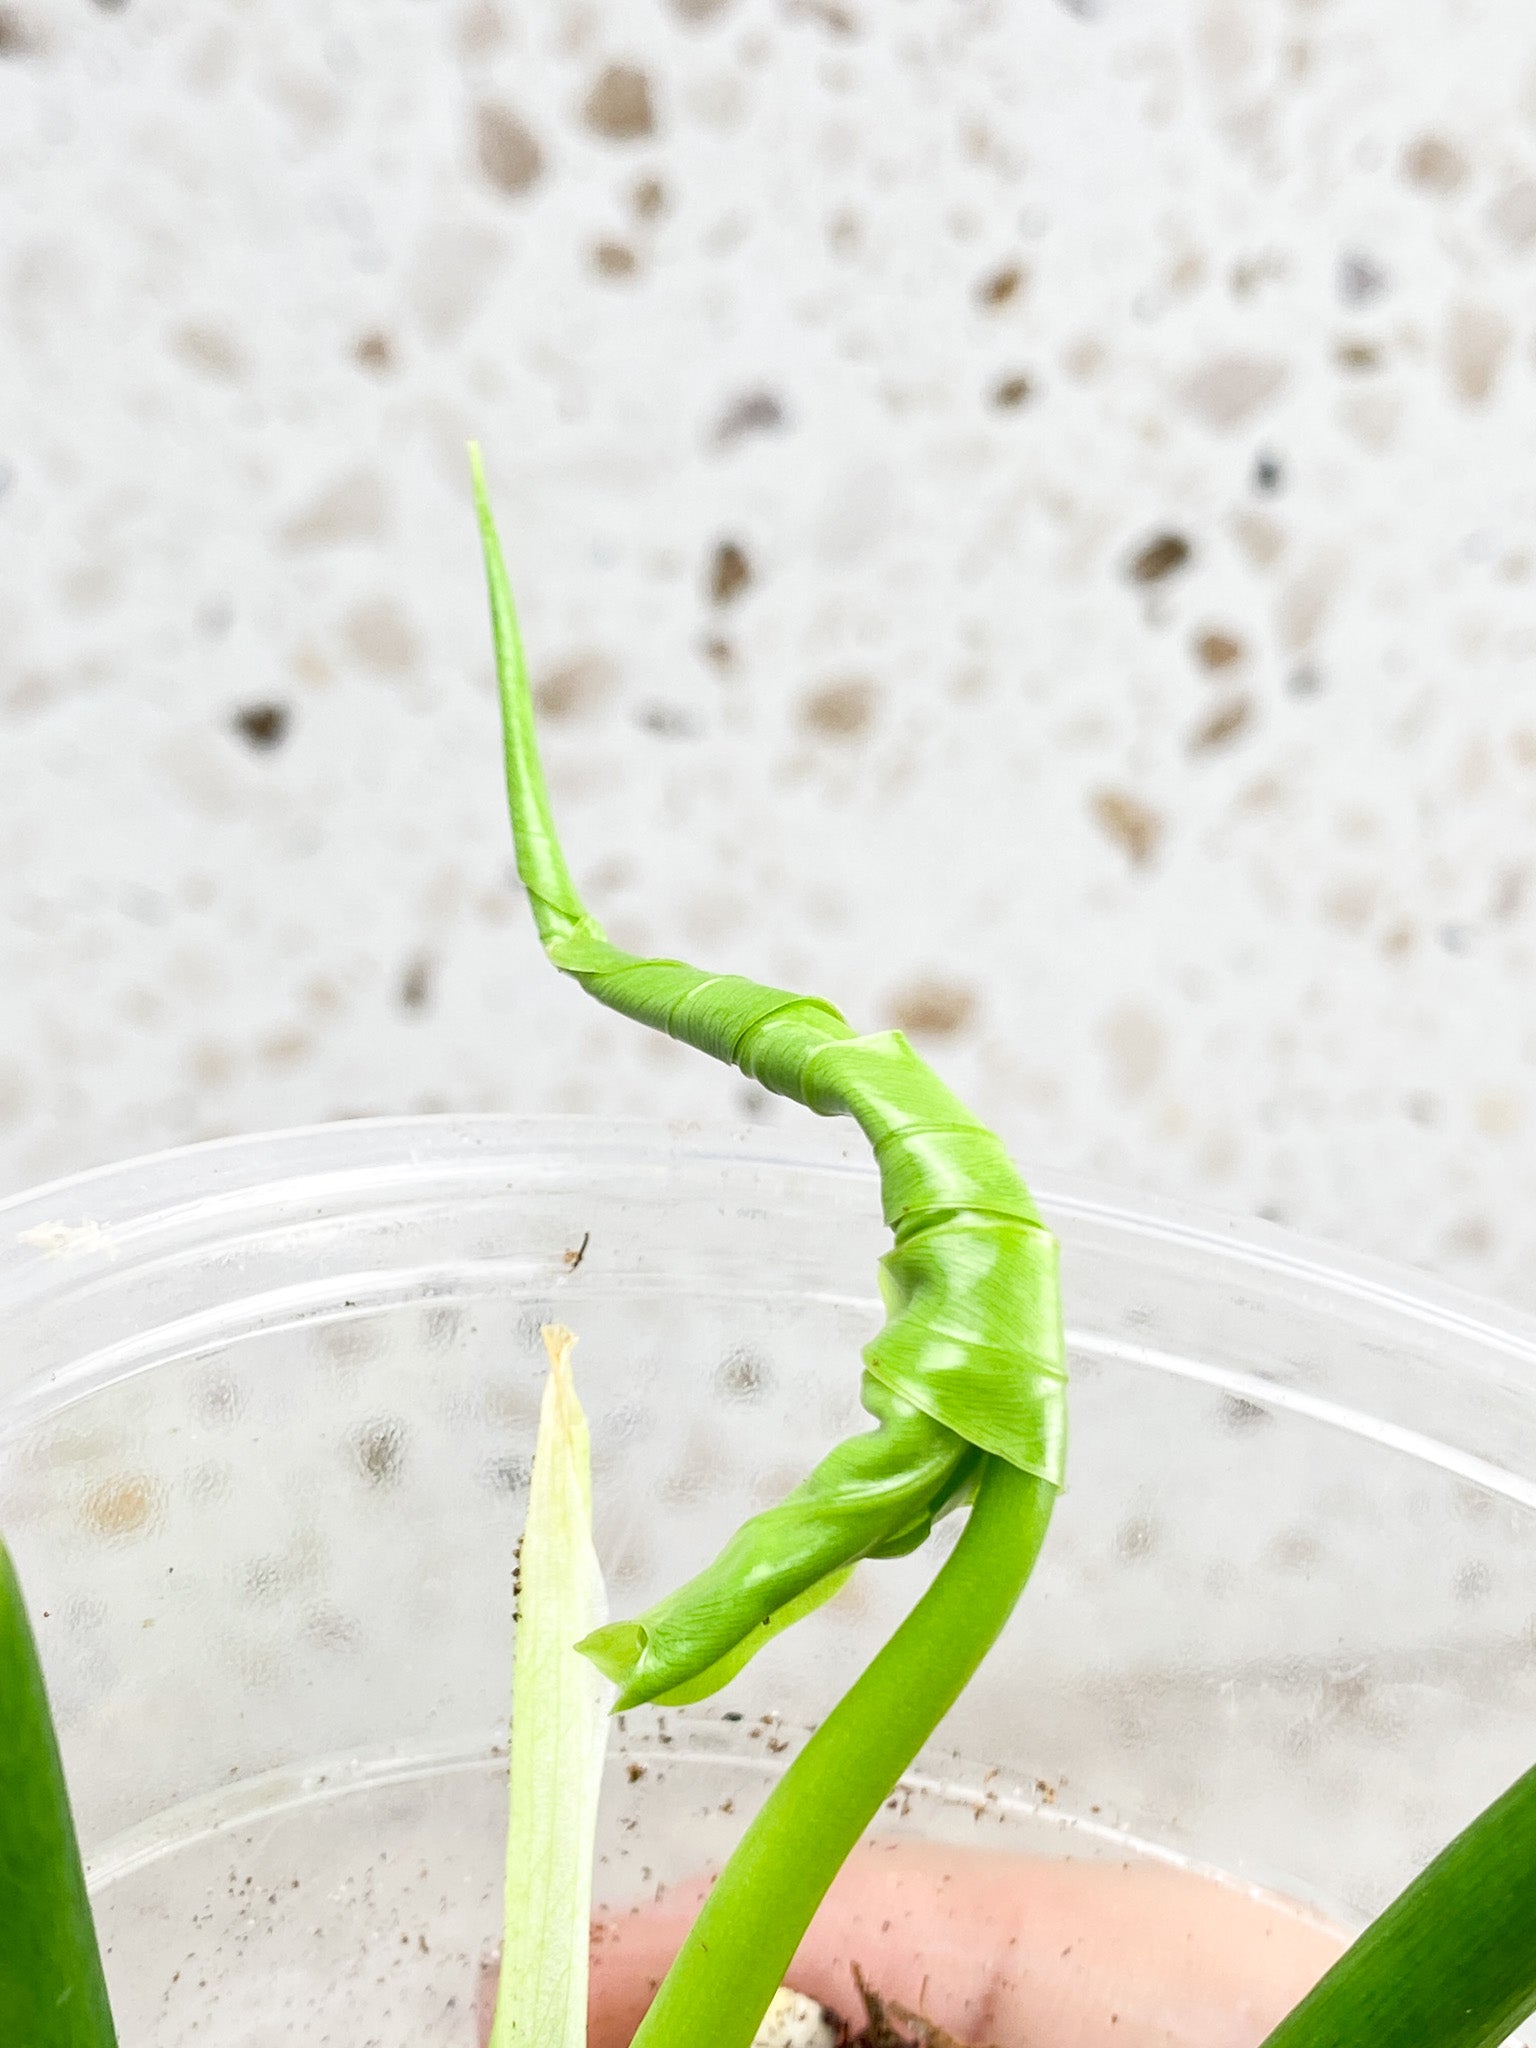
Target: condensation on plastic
266	1410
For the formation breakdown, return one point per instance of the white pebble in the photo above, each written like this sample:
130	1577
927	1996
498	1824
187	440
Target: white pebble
795	2021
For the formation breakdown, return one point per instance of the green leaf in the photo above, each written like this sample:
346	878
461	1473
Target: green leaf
722	1672
52	1993
559	1732
967	1381
742	1943
1451	1963
972	1357
875	1493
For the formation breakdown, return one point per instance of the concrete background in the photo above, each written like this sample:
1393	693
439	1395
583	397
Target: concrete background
1025	517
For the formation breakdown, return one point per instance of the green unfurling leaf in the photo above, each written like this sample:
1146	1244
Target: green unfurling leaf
711	1680
971	1359
559	1732
52	1993
966	1383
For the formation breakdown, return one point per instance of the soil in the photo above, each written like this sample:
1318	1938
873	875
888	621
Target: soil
889	2024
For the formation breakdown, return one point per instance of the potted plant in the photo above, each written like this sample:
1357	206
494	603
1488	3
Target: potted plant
966	1384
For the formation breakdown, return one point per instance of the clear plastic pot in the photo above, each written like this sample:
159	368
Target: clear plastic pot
266	1411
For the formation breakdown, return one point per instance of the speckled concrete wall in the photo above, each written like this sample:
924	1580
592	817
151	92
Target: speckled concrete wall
1025	515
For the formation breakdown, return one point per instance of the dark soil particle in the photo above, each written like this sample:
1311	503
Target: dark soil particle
754	412
614	259
1161	556
1223	726
1217	650
1134	826
730	572
416	984
262	726
1002	285
374	350
507	149
619	106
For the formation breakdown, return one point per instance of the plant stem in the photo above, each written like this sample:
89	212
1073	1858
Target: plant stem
52	1994
1452	1961
751	1924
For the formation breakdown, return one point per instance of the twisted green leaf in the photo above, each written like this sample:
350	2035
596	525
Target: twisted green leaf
970	1364
754	1919
52	1992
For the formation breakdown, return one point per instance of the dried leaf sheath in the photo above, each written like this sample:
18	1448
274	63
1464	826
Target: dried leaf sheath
559	1733
970	1361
